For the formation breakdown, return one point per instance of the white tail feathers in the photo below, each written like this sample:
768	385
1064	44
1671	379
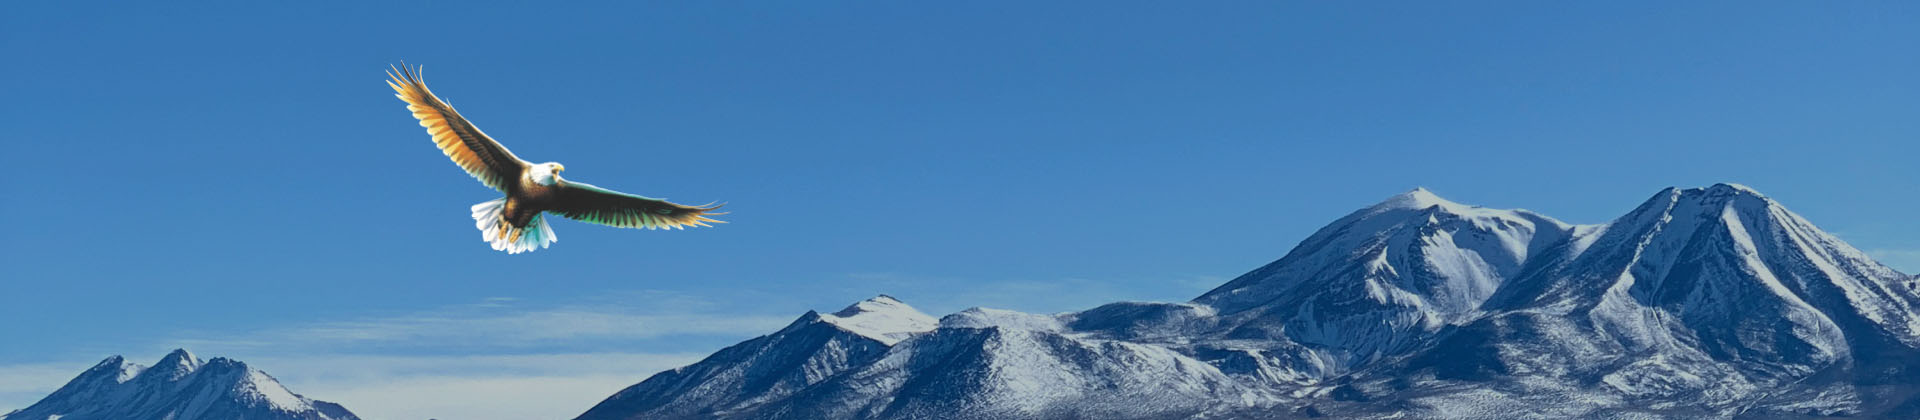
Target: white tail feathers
536	235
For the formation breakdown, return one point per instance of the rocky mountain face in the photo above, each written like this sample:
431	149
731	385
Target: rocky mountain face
179	387
1712	302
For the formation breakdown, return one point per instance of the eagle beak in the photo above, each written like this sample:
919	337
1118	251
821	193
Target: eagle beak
559	168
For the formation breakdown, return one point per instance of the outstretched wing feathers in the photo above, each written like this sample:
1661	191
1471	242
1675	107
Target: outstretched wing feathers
478	154
591	204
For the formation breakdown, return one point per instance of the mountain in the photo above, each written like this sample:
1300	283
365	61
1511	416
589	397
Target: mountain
1380	282
179	387
805	353
853	363
1718	301
1712	302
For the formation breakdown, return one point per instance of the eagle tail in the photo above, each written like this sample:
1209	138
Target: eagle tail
495	230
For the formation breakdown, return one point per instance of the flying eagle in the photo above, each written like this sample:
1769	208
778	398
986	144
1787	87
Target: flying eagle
514	223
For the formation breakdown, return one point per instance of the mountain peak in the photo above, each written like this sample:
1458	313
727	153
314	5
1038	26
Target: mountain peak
1416	199
1732	186
181	355
881	303
882	318
1714	198
177	364
111	361
115	367
1727	190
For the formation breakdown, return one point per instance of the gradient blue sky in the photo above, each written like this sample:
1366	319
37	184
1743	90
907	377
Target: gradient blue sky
238	180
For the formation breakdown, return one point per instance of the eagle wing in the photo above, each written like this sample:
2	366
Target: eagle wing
591	204
480	155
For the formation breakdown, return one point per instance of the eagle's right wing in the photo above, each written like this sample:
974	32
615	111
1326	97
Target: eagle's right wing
587	203
480	155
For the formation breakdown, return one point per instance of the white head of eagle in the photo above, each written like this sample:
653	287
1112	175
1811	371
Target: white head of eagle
546	173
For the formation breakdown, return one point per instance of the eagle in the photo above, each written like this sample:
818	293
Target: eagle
514	223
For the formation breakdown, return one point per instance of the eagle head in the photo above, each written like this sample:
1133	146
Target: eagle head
546	173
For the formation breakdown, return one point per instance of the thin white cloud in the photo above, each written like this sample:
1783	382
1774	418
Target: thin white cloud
526	327
22	385
352	368
35	377
498	323
498	387
384	387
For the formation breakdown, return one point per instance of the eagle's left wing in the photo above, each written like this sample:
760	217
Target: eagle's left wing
591	204
481	156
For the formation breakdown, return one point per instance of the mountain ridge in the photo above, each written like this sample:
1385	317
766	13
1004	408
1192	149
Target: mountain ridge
179	386
1712	302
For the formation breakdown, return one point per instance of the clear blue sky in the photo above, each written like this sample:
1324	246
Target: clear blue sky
237	179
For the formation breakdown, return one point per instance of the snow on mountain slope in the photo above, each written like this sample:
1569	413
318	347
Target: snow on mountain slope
1017	361
1711	295
1710	302
989	318
1380	281
998	373
882	318
1413	249
178	387
747	375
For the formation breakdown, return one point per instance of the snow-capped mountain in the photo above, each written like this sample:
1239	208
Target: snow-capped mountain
979	363
179	387
1715	300
1701	303
1379	282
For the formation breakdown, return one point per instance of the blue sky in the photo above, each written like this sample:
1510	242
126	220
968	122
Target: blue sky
236	178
